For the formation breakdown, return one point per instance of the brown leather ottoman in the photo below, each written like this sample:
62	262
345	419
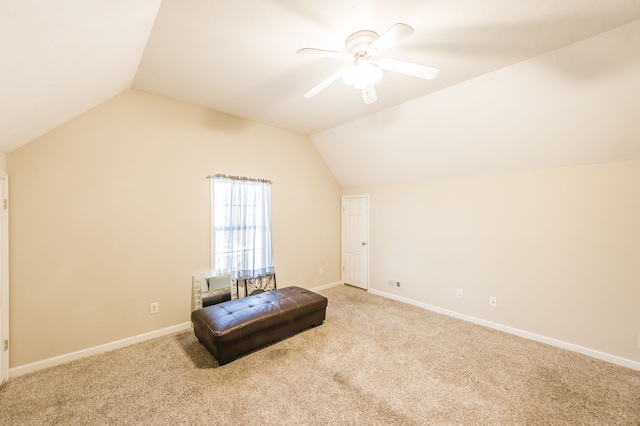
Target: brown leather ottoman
231	329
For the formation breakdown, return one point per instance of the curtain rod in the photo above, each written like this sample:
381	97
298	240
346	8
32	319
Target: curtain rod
239	178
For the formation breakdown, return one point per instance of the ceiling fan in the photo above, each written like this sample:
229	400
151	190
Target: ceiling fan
365	72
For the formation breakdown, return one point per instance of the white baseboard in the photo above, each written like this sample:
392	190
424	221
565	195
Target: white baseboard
50	362
521	333
327	286
61	359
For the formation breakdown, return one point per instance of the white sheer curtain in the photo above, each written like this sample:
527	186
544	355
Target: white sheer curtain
241	209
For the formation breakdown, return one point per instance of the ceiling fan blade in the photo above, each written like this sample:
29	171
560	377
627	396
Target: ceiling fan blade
409	68
324	53
369	95
393	35
324	83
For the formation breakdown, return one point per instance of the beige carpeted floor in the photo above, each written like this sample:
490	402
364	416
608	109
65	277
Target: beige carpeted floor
373	361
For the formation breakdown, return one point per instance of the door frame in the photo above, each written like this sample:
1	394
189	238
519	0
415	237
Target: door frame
367	201
4	277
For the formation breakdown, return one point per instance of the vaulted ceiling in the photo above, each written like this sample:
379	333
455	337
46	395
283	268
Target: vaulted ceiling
60	58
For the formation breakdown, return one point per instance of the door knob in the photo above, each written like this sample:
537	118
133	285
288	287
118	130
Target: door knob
364	244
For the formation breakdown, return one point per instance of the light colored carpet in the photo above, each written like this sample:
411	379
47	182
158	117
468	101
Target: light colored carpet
373	361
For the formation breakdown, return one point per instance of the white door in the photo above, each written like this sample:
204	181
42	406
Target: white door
355	240
4	279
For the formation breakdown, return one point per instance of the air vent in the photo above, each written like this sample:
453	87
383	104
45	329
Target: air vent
393	283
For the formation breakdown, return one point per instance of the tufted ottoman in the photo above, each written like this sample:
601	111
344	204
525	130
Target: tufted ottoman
234	328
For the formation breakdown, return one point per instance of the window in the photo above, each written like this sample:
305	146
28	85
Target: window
241	224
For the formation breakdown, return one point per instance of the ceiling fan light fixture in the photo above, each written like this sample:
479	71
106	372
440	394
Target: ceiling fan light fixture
363	74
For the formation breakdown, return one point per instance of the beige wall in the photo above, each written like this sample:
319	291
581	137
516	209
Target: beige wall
3	162
559	248
110	212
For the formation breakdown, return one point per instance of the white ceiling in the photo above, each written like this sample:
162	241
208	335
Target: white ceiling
59	59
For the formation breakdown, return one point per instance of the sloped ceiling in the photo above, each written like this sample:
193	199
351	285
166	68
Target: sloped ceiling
59	59
576	105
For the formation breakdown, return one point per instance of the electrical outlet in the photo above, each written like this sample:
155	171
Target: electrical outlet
321	271
459	293
493	301
154	308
